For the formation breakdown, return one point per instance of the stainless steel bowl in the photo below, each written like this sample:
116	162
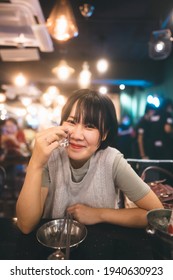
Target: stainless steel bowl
158	220
161	240
49	234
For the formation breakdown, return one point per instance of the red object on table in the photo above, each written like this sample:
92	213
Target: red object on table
170	229
170	225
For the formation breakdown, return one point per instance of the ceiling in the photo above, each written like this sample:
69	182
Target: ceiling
118	30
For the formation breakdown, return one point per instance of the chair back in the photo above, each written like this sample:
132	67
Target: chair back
2	178
154	171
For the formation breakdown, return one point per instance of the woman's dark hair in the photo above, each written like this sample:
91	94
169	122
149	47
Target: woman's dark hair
97	109
11	119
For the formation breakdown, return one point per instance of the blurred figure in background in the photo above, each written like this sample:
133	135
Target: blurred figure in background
154	132
126	135
15	152
143	133
161	127
13	141
29	135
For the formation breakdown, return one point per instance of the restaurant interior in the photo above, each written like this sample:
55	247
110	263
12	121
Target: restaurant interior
112	47
120	48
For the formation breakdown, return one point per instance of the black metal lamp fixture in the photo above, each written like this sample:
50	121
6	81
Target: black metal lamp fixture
86	10
160	45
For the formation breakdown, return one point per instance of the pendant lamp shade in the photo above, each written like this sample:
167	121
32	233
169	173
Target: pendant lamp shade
61	23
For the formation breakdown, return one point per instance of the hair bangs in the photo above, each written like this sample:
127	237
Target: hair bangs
90	111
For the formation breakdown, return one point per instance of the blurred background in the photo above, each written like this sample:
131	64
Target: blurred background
124	33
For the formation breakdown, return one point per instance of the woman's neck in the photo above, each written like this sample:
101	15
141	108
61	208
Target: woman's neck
77	164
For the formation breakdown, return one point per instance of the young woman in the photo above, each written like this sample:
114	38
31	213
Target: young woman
85	177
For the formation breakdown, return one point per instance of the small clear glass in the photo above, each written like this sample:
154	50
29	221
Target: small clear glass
64	142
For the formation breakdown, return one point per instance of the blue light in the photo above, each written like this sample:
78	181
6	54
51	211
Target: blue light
140	83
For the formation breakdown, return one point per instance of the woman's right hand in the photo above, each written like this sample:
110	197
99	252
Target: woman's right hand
31	200
45	142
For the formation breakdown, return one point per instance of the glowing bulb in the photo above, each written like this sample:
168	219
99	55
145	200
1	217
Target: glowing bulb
63	70
20	80
122	86
52	90
46	100
60	99
103	90
85	76
2	97
102	65
160	46
61	29
26	101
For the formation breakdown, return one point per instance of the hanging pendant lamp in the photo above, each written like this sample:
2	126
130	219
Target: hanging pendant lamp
61	23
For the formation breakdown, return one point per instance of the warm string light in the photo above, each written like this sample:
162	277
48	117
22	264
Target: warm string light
2	97
20	80
63	71
103	90
26	101
37	105
102	65
85	76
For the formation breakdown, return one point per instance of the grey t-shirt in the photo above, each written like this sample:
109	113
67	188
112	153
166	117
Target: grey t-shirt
97	183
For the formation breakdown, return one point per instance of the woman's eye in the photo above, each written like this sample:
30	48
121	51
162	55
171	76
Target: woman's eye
90	125
71	121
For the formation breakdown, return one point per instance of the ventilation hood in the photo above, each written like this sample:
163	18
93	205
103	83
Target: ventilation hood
22	25
25	54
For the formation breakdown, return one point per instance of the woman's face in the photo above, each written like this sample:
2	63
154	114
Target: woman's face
84	140
10	127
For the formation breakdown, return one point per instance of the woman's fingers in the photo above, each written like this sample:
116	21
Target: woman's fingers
52	134
46	141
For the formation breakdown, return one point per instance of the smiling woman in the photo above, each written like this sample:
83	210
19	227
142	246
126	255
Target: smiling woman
85	177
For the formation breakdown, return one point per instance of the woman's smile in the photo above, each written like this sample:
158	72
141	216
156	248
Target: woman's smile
76	145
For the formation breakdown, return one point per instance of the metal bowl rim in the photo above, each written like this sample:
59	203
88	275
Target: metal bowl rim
55	222
159	231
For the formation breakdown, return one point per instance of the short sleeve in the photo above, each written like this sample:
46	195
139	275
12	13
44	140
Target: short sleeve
45	177
128	181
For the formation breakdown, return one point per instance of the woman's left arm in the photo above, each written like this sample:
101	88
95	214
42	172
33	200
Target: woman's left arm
134	217
130	184
129	217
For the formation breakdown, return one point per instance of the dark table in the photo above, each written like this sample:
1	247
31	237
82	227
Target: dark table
103	242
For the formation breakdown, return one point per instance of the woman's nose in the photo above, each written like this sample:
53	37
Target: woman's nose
77	132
